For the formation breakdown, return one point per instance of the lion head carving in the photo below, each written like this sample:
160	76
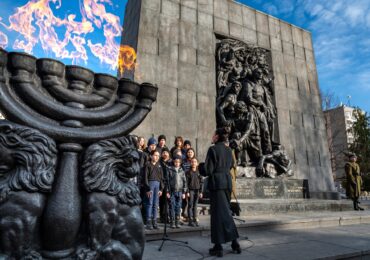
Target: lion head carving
27	160
108	167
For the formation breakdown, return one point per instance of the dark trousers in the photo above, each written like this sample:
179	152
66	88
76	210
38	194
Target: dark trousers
193	204
176	201
153	201
184	207
144	202
163	208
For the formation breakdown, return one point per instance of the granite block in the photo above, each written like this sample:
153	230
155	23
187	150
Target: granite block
262	23
188	14
221	25
235	13
249	18
249	35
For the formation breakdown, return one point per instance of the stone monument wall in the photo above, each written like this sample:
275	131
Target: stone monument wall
176	44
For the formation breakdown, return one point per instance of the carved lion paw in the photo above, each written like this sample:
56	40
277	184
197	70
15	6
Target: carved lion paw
115	250
33	255
86	254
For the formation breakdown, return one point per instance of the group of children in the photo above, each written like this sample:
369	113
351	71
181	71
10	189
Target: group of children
169	180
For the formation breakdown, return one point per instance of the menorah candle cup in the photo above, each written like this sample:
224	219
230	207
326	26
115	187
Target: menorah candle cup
147	95
50	67
148	91
3	57
22	65
129	87
105	85
3	61
79	78
128	90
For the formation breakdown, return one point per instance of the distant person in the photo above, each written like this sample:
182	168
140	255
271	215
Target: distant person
166	163
217	167
161	143
186	165
354	180
177	153
178	145
187	145
177	191
153	187
195	184
141	177
152	146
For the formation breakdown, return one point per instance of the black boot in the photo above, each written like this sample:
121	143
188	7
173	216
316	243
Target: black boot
358	206
355	206
236	247
149	225
191	223
216	250
155	226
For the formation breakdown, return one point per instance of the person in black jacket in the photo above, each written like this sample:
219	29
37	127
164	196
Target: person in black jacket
195	184
164	202
153	184
177	191
217	167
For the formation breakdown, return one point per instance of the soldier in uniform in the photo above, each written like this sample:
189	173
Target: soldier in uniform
354	180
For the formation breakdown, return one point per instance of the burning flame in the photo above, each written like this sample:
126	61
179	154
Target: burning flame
39	13
126	58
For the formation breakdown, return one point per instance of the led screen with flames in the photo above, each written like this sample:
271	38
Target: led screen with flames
84	32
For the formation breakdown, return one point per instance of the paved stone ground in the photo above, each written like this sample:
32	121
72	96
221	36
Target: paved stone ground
341	235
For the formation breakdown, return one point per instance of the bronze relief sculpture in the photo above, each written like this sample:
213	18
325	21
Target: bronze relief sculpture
245	103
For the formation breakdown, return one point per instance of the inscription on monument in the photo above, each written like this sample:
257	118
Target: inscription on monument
271	191
249	188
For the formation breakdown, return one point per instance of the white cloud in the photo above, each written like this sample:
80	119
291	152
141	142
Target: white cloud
354	14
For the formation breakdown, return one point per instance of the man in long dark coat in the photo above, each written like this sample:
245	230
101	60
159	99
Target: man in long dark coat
217	167
354	180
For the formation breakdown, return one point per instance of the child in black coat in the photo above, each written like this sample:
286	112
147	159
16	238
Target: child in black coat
195	183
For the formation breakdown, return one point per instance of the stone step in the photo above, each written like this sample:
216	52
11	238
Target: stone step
304	220
250	207
277	206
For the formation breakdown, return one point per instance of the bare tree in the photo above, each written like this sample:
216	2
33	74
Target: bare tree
329	99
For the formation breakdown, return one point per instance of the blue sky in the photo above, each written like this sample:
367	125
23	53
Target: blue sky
341	36
340	31
76	47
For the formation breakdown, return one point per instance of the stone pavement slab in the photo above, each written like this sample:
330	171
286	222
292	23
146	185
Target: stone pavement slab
313	235
350	242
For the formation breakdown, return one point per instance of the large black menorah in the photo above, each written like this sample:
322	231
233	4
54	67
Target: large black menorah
79	119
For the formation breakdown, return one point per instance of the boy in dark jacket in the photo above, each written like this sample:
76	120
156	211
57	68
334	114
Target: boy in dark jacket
195	184
164	203
177	191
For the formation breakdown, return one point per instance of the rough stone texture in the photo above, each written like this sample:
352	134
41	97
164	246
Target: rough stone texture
184	67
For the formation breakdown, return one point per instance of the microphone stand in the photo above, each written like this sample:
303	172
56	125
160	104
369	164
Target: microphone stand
165	235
